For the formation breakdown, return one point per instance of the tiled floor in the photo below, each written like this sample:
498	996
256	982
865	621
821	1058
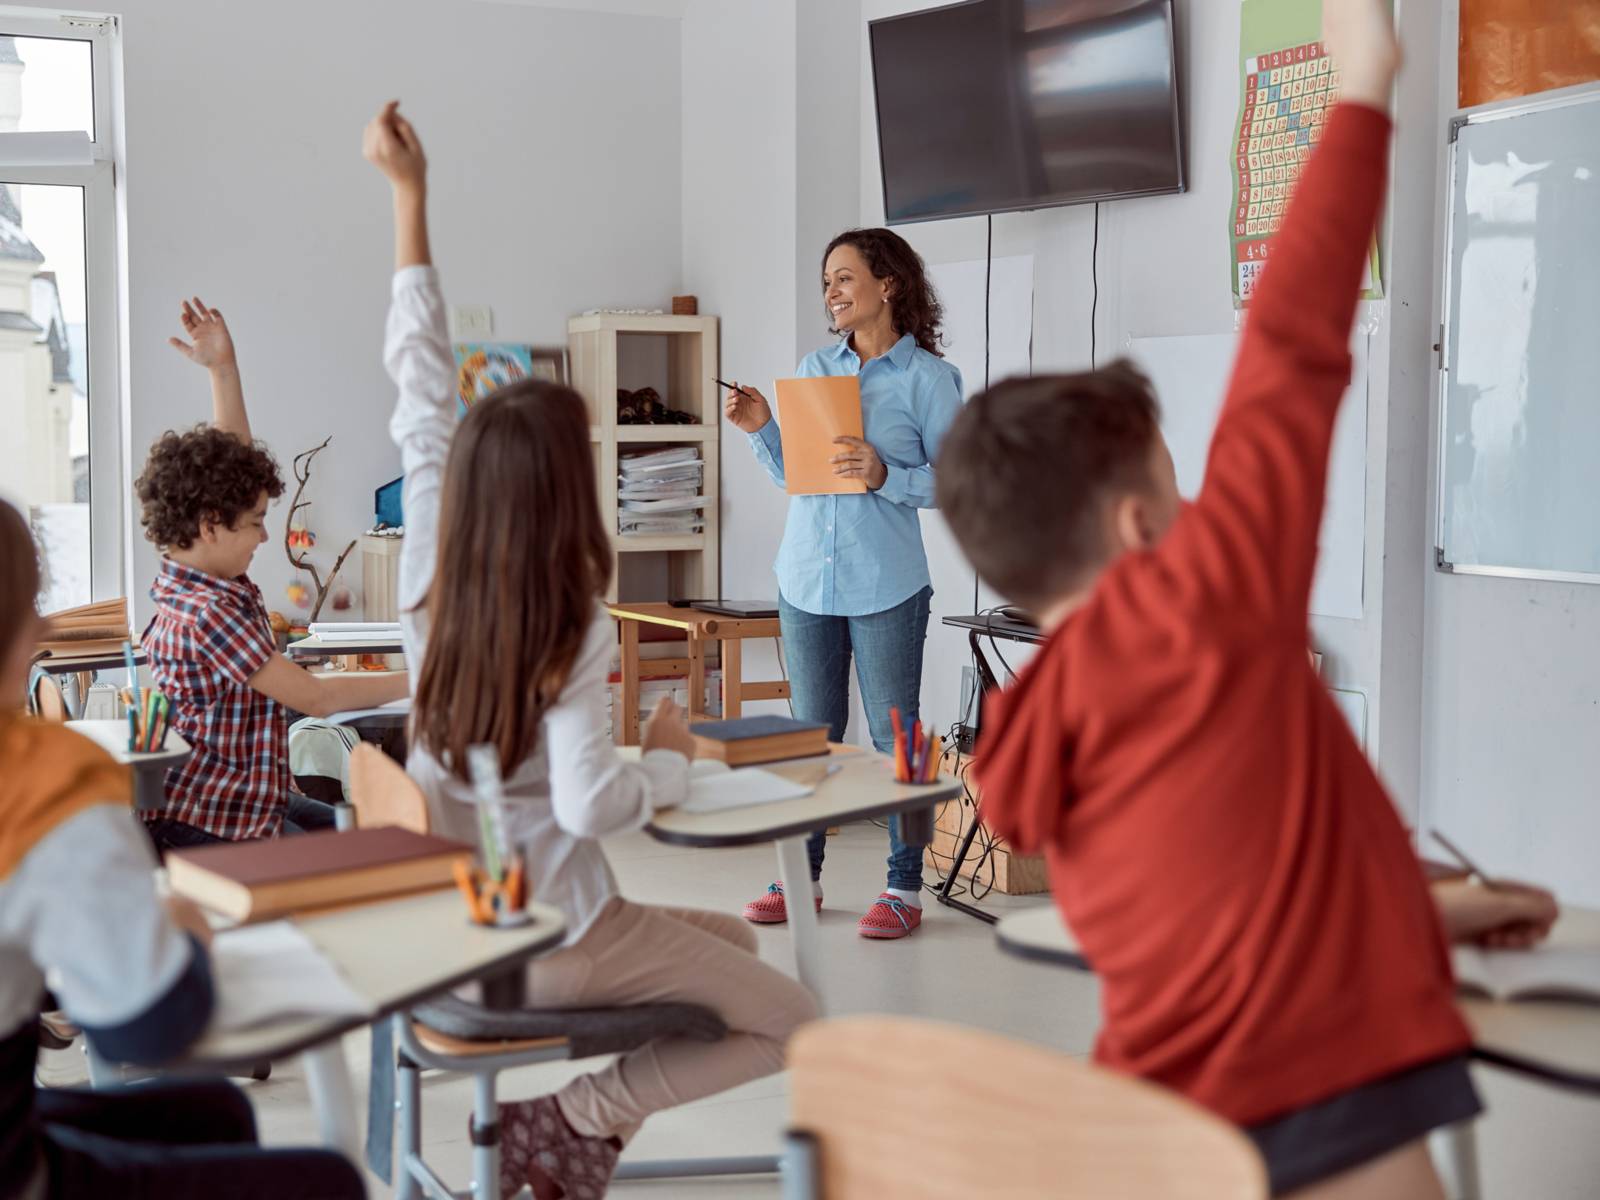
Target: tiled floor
1537	1144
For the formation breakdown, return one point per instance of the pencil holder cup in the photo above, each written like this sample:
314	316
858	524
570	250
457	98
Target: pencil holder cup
493	903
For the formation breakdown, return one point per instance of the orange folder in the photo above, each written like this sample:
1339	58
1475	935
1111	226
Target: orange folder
811	413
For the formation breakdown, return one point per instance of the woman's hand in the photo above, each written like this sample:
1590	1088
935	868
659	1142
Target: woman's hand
212	346
747	409
668	730
858	460
1508	916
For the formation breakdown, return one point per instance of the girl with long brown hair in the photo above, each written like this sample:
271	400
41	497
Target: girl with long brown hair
502	574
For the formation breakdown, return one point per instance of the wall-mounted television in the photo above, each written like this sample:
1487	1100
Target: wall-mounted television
1001	105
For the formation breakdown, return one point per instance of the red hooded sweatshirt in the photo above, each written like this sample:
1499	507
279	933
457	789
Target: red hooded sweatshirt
1217	841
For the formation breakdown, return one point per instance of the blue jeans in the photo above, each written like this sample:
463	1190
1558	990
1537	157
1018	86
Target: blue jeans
888	652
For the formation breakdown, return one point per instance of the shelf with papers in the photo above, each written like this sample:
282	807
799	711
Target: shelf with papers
635	543
666	433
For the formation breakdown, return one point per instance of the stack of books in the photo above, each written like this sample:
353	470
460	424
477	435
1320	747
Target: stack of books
658	492
92	630
749	740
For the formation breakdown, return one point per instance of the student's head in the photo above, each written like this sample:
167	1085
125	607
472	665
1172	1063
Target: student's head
21	627
523	558
1046	480
204	495
872	274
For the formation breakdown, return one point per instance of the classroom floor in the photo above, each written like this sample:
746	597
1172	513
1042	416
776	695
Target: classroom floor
1537	1144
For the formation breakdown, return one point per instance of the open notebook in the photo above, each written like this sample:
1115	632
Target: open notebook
1545	972
714	788
272	972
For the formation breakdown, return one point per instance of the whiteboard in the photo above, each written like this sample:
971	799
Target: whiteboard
1190	375
1519	427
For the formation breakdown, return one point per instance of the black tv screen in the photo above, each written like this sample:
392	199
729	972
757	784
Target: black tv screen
999	105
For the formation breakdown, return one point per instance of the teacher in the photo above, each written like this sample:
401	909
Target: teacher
852	573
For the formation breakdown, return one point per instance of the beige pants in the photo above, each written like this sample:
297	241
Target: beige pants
639	954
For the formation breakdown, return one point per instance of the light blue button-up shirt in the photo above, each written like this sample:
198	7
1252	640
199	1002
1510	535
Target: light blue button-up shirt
861	553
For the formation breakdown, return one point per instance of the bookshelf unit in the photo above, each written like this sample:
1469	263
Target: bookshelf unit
678	357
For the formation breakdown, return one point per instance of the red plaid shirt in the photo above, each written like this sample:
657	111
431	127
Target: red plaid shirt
209	636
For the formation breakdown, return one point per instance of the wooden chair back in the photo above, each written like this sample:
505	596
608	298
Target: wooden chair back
49	700
907	1107
382	793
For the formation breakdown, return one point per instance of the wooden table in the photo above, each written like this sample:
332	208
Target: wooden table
149	769
863	787
698	628
393	953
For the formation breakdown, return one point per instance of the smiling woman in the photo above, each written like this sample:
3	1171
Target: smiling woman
852	573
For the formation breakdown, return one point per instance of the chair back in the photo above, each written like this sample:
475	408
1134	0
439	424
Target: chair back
49	702
906	1107
382	793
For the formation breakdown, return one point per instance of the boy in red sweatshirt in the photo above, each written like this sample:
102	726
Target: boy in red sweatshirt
1225	855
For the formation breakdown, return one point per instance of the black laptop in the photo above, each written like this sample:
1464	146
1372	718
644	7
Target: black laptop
752	610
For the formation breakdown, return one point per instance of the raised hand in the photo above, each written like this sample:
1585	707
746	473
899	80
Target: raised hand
858	460
747	409
1360	36
211	345
392	145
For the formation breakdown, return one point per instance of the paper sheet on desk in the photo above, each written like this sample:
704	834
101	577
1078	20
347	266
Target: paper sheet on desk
271	972
714	788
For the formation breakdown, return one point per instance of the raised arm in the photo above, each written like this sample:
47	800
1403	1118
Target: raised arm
416	351
1262	500
211	346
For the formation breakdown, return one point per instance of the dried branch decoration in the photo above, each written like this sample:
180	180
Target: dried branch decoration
302	561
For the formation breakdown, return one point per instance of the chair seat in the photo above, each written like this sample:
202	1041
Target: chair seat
589	1031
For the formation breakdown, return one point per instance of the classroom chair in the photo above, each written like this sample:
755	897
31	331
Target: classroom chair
481	1040
899	1106
46	697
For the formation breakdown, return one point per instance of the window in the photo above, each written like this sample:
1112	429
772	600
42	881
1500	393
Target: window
60	408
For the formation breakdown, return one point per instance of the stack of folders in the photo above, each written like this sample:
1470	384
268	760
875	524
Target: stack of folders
658	492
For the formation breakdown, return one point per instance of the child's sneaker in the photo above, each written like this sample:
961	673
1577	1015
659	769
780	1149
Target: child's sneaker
771	909
889	917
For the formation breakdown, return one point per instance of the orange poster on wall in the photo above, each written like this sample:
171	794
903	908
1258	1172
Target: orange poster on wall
1513	48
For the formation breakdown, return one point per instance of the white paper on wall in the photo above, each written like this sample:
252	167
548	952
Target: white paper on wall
1191	375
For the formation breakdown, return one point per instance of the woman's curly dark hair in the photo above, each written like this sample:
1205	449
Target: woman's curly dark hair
913	305
202	474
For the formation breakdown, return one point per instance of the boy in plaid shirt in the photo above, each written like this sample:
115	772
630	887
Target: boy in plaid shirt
204	495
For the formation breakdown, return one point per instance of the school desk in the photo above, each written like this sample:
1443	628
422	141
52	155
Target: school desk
863	787
149	769
1553	1041
699	629
393	953
77	673
349	653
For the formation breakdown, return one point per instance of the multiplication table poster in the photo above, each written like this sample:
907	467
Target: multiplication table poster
1287	86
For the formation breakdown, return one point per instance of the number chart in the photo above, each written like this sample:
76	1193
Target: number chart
1289	86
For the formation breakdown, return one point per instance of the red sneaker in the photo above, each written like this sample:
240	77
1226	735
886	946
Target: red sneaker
889	917
771	909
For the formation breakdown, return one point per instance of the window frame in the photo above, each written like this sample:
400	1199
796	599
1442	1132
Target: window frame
103	256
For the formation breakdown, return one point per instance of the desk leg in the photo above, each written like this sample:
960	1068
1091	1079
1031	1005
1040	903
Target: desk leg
1455	1157
627	731
794	870
333	1097
732	679
697	677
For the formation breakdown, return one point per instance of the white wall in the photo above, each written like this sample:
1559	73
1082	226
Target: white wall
1511	689
554	142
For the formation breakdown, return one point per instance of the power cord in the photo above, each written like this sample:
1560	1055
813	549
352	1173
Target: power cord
1094	277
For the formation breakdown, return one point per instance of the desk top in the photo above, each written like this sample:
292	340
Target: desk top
864	786
57	665
112	737
313	646
1556	1040
700	624
994	625
393	953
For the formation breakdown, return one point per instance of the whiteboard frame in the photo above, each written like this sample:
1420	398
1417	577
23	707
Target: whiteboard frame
1587	93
